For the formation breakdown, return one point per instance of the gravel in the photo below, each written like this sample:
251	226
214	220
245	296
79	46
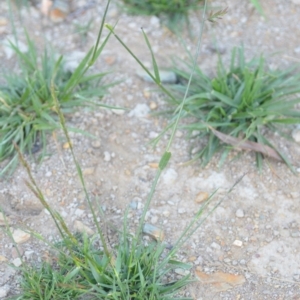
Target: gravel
253	233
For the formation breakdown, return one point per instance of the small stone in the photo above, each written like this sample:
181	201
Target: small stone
199	260
296	2
107	156
296	135
127	172
153	165
240	213
66	145
170	176
153	134
110	60
296	277
147	95
28	254
201	197
165	76
154	232
154	220
295	195
192	258
88	171
179	133
3	291
295	234
118	111
79	212
181	272
3	21
154	21
17	262
2	258
280	250
153	105
133	205
237	243
20	236
166	213
78	225
181	210
140	205
96	144
140	111
215	246
48	174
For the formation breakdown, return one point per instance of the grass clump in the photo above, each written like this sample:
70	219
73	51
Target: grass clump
173	12
238	104
27	110
83	270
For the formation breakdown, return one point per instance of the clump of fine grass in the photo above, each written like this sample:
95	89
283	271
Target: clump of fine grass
173	12
237	105
27	110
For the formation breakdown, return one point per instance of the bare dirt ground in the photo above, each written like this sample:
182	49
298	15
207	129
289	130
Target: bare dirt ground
249	247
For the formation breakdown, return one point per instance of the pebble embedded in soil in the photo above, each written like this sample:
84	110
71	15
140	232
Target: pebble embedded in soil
153	105
88	171
96	144
181	210
17	262
20	236
201	197
237	243
296	134
169	177
4	291
216	246
165	76
154	232
107	156
141	110
78	225
118	111
240	213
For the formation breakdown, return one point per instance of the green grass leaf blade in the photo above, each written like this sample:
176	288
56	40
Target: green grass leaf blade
223	98
164	160
154	63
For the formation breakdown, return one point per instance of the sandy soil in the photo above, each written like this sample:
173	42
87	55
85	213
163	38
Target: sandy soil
249	247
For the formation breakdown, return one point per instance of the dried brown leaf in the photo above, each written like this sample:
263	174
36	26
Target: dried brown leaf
246	145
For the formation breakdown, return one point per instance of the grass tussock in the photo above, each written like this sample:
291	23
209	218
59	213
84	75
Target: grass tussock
237	105
27	109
